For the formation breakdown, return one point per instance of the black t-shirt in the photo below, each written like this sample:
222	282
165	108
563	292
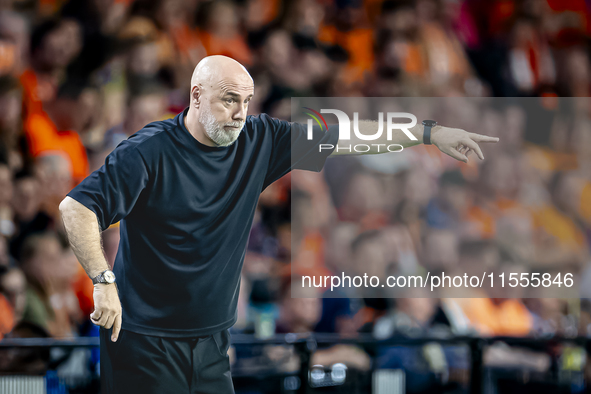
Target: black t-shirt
186	210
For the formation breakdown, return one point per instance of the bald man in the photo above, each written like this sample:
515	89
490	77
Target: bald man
185	192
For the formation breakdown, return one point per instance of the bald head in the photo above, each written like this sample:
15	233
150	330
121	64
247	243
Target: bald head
212	70
221	89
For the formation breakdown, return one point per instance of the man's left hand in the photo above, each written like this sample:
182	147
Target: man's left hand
458	143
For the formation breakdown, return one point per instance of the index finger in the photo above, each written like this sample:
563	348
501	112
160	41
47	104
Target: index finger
482	138
116	328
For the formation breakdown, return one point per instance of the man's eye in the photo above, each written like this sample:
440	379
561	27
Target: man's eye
229	101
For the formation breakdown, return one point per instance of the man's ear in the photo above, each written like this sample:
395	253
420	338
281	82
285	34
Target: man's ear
196	96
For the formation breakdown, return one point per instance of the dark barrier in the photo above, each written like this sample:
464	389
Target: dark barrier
316	378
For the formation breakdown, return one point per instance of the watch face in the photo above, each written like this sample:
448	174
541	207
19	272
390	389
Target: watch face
109	276
431	123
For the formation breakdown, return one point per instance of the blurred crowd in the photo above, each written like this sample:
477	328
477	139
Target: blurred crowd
78	77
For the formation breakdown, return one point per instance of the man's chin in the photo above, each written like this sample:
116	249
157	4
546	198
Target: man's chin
226	142
233	137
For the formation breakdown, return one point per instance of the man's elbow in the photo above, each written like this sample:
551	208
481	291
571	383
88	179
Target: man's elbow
66	204
70	209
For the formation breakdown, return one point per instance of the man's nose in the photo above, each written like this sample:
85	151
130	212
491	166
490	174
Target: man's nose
241	113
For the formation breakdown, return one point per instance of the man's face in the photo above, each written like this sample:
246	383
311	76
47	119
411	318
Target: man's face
224	108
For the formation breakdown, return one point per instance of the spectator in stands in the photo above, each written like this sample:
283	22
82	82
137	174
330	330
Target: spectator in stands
363	201
447	209
54	131
51	303
221	34
14	39
427	366
504	314
440	250
25	361
371	256
28	216
6	190
13	291
7	313
147	105
55	43
4	252
300	315
347	25
54	173
10	121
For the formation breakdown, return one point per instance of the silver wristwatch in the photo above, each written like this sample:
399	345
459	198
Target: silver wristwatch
104	277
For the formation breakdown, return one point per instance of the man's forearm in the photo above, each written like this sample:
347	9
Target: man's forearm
83	232
381	144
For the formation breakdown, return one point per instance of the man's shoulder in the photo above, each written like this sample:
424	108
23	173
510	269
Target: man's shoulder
266	126
152	137
262	120
151	131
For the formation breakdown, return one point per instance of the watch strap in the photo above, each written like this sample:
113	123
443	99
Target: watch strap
427	134
98	279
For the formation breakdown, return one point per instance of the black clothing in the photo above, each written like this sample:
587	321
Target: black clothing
186	210
146	364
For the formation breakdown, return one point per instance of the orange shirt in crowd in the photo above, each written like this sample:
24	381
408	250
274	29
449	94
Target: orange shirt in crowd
188	43
234	47
509	318
262	12
310	255
482	221
6	316
359	45
43	136
446	56
483	218
35	92
414	62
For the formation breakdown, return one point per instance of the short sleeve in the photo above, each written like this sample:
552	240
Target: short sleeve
112	191
293	150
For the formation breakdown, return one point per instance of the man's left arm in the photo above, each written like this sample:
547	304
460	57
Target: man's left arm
456	143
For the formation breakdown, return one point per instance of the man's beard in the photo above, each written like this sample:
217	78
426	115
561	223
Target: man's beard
216	131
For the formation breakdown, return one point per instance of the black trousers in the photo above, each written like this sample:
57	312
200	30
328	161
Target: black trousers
146	364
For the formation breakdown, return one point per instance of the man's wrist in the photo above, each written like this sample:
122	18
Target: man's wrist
434	132
106	276
418	132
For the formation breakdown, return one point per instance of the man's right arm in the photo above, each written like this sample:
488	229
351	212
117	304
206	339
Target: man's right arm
83	232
